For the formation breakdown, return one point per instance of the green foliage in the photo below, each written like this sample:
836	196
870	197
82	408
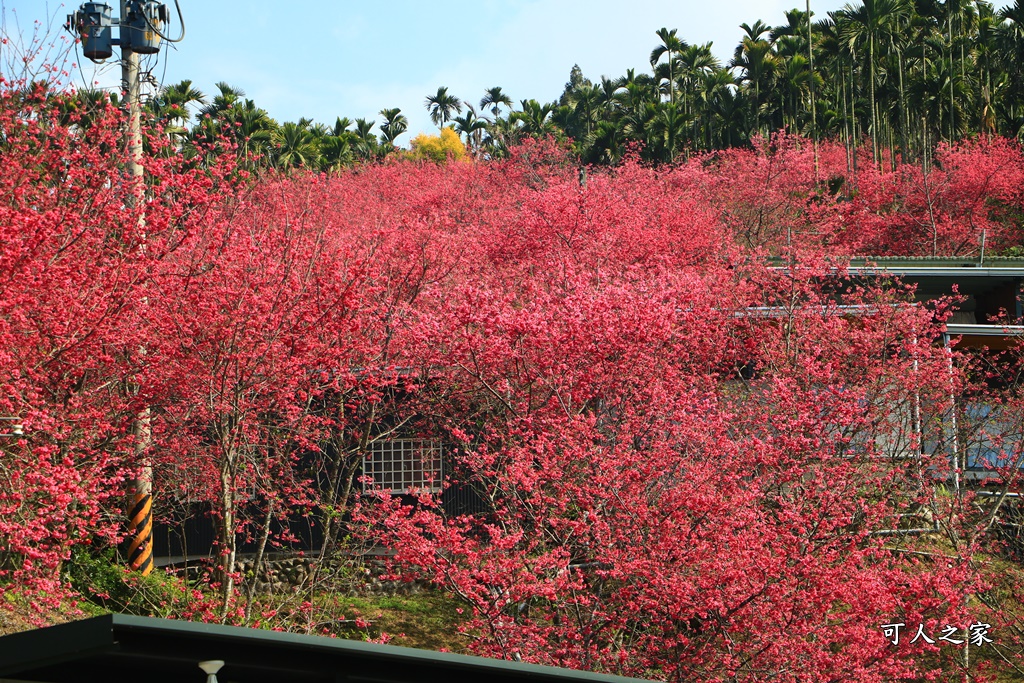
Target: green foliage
102	578
395	124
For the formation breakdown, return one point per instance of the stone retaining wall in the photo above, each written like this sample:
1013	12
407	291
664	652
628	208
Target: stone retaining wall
356	575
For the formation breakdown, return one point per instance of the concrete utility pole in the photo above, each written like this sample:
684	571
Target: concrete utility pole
140	489
140	32
130	85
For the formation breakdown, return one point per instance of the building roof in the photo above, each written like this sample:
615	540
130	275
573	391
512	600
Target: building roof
931	262
941	273
118	647
934	277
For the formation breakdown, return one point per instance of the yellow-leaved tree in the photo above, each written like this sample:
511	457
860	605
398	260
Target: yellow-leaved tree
438	148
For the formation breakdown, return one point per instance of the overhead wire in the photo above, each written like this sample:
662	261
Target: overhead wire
163	76
81	71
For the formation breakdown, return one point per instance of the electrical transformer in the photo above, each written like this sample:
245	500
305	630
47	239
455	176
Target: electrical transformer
92	22
141	28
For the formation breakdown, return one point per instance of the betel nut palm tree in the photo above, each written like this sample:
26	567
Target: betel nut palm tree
442	107
395	123
495	98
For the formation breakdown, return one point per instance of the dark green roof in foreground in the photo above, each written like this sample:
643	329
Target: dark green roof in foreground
125	648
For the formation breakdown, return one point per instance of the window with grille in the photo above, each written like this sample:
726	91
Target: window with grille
402	464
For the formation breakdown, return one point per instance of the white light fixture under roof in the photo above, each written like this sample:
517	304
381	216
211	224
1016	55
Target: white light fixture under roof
211	667
14	425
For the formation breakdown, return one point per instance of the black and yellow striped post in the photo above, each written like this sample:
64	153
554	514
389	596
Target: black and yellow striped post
140	528
140	496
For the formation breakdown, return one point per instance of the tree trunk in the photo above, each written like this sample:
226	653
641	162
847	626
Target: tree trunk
268	517
228	543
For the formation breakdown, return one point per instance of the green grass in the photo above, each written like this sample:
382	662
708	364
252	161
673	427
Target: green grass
427	620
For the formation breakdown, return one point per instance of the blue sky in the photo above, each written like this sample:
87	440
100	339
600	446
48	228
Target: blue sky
323	59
